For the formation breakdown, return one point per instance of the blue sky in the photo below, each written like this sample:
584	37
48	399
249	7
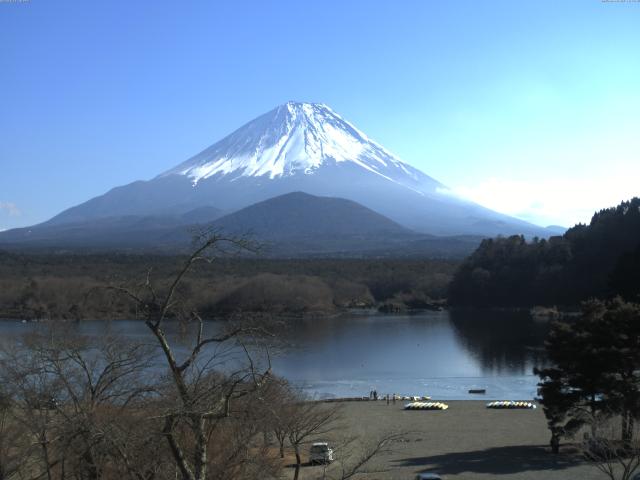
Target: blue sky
528	107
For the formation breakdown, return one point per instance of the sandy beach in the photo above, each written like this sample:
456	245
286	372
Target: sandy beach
467	441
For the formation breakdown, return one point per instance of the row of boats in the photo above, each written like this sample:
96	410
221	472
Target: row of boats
426	406
510	404
412	398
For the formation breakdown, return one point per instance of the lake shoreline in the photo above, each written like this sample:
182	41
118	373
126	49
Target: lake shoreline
380	310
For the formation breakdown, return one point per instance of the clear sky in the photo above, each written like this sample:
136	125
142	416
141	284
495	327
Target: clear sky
531	108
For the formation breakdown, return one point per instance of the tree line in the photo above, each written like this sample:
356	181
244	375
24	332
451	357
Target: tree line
599	260
55	286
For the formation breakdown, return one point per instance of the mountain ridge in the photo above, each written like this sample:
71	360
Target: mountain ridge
299	147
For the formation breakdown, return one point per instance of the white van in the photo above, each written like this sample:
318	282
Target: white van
320	452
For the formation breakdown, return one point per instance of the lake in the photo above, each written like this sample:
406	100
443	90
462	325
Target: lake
440	354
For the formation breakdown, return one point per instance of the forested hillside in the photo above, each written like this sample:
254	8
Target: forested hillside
601	259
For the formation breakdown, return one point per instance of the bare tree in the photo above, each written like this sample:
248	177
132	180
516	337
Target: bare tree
202	396
306	422
354	458
617	459
12	440
274	401
32	391
295	422
76	397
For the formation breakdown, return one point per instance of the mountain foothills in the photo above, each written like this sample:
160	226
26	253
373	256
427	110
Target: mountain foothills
600	260
297	147
299	224
291	225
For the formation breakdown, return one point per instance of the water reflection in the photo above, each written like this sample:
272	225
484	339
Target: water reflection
504	342
442	354
438	353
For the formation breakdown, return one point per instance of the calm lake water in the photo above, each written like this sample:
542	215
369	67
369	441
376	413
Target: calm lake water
441	354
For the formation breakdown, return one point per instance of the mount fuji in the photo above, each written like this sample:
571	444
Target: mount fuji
296	147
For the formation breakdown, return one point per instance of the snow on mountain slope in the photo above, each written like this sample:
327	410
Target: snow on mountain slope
300	147
298	139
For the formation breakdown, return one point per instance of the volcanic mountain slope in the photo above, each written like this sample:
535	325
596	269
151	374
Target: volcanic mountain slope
299	224
299	214
300	147
118	232
291	225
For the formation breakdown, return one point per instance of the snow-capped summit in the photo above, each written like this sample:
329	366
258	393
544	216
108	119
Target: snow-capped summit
297	139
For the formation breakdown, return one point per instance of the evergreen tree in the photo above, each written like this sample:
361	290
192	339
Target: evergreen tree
595	369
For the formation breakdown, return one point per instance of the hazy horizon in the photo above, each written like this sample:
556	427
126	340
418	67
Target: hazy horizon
528	109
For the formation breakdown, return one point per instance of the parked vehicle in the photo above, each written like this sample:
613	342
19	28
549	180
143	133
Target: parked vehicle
320	452
428	476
